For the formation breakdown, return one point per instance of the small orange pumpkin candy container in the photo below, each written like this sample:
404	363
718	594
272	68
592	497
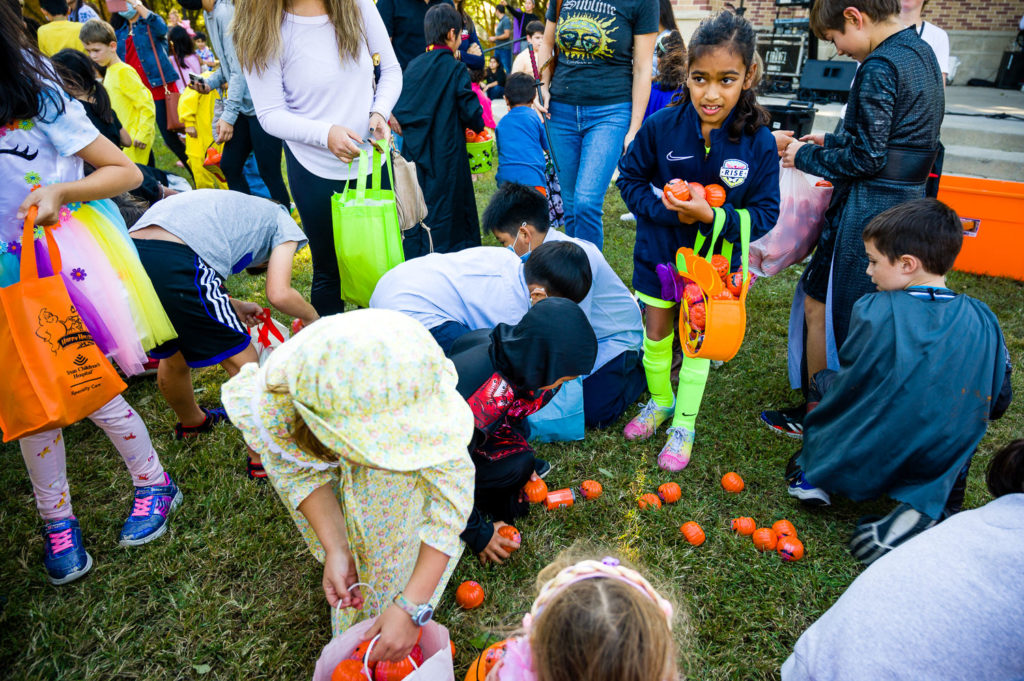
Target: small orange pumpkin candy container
784	528
670	492
732	483
764	539
485	662
393	671
678	189
715	194
744	525
510	533
790	549
591	489
649	501
721	265
349	670
734	283
536	491
470	595
693	533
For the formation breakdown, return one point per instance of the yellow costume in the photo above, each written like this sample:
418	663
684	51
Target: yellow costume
133	104
195	110
56	35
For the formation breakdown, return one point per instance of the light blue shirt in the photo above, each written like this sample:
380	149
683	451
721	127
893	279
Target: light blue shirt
477	287
610	307
238	101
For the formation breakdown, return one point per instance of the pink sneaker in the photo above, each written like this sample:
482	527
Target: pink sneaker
675	455
646	423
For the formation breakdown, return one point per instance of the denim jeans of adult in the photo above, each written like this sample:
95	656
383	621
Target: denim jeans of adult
587	143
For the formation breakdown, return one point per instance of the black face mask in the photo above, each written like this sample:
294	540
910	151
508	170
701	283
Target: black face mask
553	340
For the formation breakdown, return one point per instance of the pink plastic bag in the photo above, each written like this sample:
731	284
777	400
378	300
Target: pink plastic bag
794	236
435	643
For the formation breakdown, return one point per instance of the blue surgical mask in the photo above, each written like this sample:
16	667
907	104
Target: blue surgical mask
525	256
128	13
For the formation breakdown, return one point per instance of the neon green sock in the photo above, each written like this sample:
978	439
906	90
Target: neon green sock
693	376
658	368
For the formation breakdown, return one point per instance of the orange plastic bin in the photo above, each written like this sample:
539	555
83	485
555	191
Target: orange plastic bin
992	212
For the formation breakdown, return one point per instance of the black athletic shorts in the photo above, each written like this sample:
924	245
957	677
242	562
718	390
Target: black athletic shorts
815	278
194	297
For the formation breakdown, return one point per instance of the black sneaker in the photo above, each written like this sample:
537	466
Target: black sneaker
873	538
541	467
788	422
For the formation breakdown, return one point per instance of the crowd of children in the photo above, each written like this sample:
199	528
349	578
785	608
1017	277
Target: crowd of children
426	395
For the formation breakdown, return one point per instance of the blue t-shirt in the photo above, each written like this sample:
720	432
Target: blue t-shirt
521	146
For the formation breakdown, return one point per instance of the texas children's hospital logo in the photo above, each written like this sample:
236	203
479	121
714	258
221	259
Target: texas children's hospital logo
585	30
62	333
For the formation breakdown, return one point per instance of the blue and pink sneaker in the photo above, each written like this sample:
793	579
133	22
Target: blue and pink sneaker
66	558
150	512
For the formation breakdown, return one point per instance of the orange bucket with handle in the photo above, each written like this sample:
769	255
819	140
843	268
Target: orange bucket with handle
725	321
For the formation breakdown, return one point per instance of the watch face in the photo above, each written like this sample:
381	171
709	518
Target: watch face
424	614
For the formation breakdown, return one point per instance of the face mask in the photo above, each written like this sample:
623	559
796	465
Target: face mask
525	256
128	13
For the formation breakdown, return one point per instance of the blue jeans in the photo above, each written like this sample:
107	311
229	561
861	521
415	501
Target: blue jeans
587	143
504	58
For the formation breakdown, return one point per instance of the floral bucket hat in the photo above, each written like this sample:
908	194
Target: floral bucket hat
372	385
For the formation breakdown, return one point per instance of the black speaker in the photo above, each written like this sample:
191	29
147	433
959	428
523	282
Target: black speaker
1011	71
827	78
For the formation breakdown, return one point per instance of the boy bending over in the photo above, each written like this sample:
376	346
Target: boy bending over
189	244
518	218
920	375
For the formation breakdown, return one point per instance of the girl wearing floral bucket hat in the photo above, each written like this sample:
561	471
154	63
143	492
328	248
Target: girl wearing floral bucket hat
363	435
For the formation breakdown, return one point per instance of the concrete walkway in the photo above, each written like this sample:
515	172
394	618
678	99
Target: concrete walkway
980	135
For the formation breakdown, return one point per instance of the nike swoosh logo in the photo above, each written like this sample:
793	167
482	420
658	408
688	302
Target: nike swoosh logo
670	157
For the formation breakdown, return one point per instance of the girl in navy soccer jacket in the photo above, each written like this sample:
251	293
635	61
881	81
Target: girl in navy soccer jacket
715	133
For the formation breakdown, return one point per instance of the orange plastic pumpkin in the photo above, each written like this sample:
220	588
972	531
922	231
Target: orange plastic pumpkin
692	293
510	533
393	671
790	549
784	528
536	491
822	183
470	595
732	483
670	492
678	189
715	195
591	489
484	136
470	135
724	294
649	501
485	662
360	653
744	525
349	670
721	265
697	189
693	533
735	283
697	316
764	539
452	644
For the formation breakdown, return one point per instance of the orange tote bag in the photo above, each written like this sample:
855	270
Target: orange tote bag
54	373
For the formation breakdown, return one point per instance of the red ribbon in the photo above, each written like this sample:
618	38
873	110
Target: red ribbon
267	328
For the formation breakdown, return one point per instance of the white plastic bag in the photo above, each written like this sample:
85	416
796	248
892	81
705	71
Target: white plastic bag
801	215
267	335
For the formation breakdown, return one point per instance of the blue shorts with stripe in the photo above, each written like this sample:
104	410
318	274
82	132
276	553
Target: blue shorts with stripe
194	297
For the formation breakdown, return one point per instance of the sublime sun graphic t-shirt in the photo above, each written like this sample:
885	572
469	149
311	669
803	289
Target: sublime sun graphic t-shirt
595	48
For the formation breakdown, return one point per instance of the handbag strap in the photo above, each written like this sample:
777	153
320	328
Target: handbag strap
156	56
29	268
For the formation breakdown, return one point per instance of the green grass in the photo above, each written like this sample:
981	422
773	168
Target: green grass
232	593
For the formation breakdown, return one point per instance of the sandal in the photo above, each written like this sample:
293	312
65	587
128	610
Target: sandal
255	471
213	417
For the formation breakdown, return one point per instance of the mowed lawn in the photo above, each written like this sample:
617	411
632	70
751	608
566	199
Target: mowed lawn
231	592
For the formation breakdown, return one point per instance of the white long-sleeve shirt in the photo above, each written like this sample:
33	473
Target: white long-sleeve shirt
309	88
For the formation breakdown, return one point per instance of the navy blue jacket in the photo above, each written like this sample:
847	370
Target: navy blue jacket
669	145
141	31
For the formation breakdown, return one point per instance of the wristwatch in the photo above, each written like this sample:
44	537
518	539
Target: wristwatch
420	614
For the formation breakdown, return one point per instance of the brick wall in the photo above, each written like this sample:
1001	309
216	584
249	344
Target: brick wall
952	15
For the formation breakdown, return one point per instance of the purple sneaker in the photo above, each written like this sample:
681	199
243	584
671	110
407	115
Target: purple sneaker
66	558
148	520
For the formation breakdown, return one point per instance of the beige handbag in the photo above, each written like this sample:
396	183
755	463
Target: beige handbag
412	208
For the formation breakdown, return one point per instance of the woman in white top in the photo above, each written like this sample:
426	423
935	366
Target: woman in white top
309	67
